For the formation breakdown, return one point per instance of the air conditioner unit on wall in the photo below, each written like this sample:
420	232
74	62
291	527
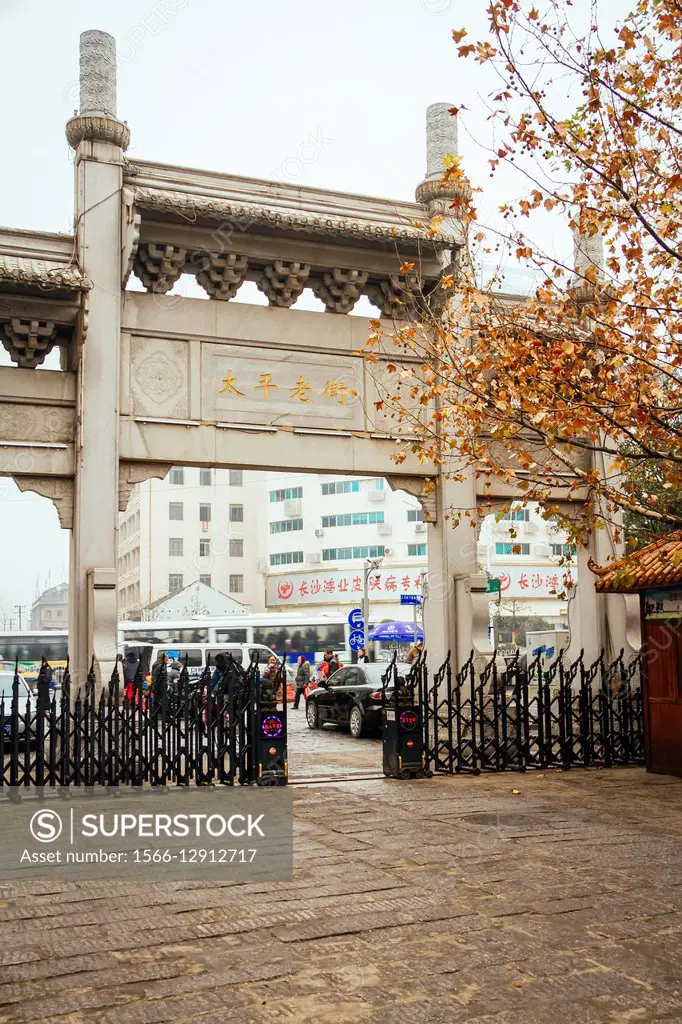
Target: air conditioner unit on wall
263	565
420	528
319	532
388	552
292	507
314	558
376	495
385	529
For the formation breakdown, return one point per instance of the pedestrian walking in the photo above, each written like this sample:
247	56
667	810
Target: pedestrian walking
363	658
44	685
302	680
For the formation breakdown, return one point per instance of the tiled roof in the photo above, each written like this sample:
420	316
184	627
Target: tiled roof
657	565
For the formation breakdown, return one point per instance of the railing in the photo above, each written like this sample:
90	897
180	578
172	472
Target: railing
178	732
567	715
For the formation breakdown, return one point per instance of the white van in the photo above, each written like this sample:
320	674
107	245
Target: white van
198	655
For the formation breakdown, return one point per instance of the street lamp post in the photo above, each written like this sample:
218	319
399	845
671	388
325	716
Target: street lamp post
371	565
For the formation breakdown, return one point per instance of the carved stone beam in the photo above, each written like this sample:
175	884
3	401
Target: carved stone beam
423	489
58	489
282	282
159	266
340	289
396	296
221	276
131	473
29	341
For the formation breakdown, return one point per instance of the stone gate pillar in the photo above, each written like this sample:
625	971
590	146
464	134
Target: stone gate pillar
456	605
99	140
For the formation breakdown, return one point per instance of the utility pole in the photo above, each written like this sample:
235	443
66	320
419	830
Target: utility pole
371	565
19	608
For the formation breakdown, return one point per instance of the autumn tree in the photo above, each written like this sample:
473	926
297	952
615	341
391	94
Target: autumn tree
563	392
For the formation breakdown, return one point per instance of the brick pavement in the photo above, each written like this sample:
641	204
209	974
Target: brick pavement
446	900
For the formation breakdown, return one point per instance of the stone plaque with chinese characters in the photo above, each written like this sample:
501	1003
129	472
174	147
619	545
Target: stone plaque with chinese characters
280	388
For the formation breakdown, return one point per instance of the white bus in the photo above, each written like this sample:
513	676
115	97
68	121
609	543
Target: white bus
288	634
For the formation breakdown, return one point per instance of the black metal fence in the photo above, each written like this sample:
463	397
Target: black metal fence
175	732
567	715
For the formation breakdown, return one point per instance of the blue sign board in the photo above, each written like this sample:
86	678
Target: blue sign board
410	599
356	640
355	619
539	650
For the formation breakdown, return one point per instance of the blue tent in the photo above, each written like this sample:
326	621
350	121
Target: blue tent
402	632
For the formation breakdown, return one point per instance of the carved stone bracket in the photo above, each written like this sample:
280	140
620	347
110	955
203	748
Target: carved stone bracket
130	234
29	341
159	266
282	282
97	128
340	289
395	296
58	489
222	276
423	489
131	473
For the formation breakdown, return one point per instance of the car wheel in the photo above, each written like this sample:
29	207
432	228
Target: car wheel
357	722
311	715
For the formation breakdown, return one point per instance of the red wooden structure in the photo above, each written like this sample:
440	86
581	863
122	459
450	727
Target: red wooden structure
655	573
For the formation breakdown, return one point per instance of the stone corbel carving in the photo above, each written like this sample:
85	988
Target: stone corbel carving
29	341
396	296
159	266
130	234
422	489
222	275
282	282
340	289
131	473
58	489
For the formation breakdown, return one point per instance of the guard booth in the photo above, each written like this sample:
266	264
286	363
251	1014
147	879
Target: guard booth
404	750
655	573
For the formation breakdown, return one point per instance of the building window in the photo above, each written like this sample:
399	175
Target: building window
236	585
236	513
59	613
286	494
341	487
205	578
237	548
346	554
236	478
415	515
377	485
511	548
416	550
175	546
204	513
206	477
564	550
286	526
286	558
204	548
174	582
352	519
176	475
48	613
517	515
175	510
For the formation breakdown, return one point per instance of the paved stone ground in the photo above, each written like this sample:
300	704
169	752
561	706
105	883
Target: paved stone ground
444	900
329	752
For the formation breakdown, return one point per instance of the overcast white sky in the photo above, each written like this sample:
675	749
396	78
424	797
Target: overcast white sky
229	86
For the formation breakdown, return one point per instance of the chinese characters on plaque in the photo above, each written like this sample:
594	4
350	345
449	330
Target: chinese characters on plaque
335	389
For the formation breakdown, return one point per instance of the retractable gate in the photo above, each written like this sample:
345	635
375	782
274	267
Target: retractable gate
567	715
227	726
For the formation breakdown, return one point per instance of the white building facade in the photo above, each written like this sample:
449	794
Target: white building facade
194	525
283	542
